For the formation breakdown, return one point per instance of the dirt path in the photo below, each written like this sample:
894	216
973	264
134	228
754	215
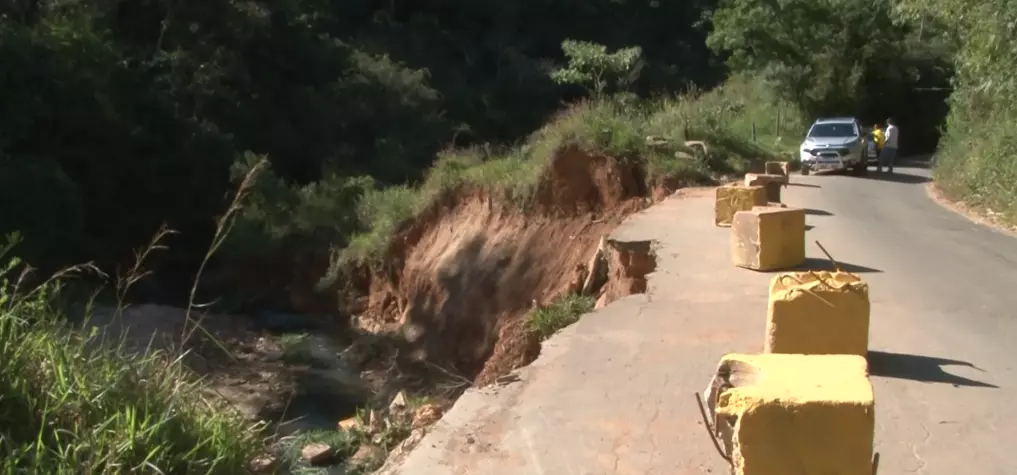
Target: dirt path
614	392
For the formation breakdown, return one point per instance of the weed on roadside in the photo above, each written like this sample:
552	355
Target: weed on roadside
560	313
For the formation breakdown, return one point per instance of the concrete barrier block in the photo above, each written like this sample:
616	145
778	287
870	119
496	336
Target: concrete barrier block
734	198
768	238
772	183
778	168
797	414
818	313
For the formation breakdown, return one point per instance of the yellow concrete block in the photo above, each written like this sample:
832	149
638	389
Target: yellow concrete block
772	183
734	198
798	414
768	238
778	168
818	313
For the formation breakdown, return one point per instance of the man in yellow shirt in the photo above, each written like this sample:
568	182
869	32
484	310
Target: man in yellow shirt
879	137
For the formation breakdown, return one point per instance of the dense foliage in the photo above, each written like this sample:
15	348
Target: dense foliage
842	57
120	115
976	158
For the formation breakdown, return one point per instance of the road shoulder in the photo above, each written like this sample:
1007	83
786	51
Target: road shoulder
975	214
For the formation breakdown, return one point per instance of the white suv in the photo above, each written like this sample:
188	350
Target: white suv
834	144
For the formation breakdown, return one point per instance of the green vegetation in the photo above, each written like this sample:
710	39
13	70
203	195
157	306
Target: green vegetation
592	67
70	405
560	313
723	117
975	161
118	117
841	57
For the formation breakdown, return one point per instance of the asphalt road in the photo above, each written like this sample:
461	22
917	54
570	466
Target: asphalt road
614	393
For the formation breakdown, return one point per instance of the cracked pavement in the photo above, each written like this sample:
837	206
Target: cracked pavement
614	393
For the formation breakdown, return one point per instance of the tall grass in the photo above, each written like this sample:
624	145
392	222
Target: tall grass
70	404
73	403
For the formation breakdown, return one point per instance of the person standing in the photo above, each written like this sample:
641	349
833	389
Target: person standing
878	137
888	156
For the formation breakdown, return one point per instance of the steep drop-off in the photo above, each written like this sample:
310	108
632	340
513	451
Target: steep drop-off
459	279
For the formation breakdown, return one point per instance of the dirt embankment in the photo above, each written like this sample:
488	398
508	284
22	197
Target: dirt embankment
460	279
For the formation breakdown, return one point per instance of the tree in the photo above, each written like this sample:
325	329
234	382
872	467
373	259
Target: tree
593	68
833	57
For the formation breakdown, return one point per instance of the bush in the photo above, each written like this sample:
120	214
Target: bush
278	214
70	404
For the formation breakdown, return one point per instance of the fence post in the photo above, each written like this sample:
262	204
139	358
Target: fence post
753	131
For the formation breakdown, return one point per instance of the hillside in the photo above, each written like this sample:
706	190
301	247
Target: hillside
423	183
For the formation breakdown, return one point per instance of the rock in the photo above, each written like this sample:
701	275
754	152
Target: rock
375	423
680	155
656	141
317	453
349	424
264	464
366	456
398	402
426	415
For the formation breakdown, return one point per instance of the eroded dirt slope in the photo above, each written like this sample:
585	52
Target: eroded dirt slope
460	279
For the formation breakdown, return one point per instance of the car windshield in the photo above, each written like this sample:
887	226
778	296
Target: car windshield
832	130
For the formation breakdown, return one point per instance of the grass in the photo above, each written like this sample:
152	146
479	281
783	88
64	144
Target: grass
73	403
562	312
70	405
724	118
344	444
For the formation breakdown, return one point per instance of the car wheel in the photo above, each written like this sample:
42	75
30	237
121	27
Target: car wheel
861	168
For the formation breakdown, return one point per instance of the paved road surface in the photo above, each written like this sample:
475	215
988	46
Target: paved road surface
613	394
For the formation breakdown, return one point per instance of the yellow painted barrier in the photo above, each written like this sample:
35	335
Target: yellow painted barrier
796	414
818	313
778	168
768	238
733	198
772	183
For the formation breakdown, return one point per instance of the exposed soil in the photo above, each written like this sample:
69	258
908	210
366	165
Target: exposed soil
628	264
451	299
460	279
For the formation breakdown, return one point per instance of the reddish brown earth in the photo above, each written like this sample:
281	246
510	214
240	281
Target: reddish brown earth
460	278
